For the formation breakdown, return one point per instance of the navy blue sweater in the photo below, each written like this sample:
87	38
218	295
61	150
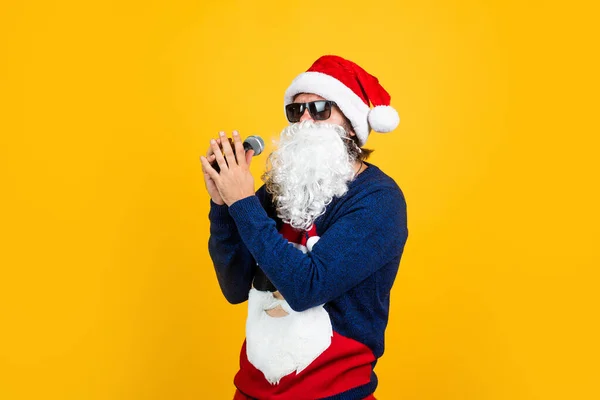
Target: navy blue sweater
350	270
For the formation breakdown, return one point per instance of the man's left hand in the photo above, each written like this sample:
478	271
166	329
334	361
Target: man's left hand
234	182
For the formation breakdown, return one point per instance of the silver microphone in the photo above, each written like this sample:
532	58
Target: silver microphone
255	143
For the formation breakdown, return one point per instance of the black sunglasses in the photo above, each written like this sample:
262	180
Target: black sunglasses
319	110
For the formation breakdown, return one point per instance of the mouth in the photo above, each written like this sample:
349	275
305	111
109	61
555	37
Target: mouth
273	305
276	312
274	308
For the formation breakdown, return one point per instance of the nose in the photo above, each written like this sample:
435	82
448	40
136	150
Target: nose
306	116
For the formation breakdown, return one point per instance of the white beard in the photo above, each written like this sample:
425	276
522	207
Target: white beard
280	346
310	167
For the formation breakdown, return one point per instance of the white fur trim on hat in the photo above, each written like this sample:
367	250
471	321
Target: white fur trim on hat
383	119
328	87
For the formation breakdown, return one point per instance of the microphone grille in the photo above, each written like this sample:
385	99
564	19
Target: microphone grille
255	143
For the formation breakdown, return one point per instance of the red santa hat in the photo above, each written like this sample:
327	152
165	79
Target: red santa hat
352	89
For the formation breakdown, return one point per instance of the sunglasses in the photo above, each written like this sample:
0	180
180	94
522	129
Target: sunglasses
319	110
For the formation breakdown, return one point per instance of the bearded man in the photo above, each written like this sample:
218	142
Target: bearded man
316	249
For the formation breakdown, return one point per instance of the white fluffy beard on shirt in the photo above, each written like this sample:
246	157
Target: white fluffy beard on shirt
279	346
310	167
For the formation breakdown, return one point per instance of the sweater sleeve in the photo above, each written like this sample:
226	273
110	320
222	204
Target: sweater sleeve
369	234
232	261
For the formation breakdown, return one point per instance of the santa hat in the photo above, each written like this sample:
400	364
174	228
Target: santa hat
352	89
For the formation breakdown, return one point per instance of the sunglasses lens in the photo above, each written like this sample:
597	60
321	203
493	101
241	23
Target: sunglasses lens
320	110
294	111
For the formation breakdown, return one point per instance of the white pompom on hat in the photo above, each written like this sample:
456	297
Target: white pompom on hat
353	89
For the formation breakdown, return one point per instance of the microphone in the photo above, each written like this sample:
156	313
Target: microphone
254	142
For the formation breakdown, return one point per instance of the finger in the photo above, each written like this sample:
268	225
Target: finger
210	157
204	171
249	156
210	161
208	169
218	155
239	149
227	150
209	152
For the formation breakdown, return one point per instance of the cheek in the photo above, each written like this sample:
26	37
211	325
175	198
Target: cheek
337	119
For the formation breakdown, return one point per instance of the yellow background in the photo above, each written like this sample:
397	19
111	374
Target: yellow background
106	288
